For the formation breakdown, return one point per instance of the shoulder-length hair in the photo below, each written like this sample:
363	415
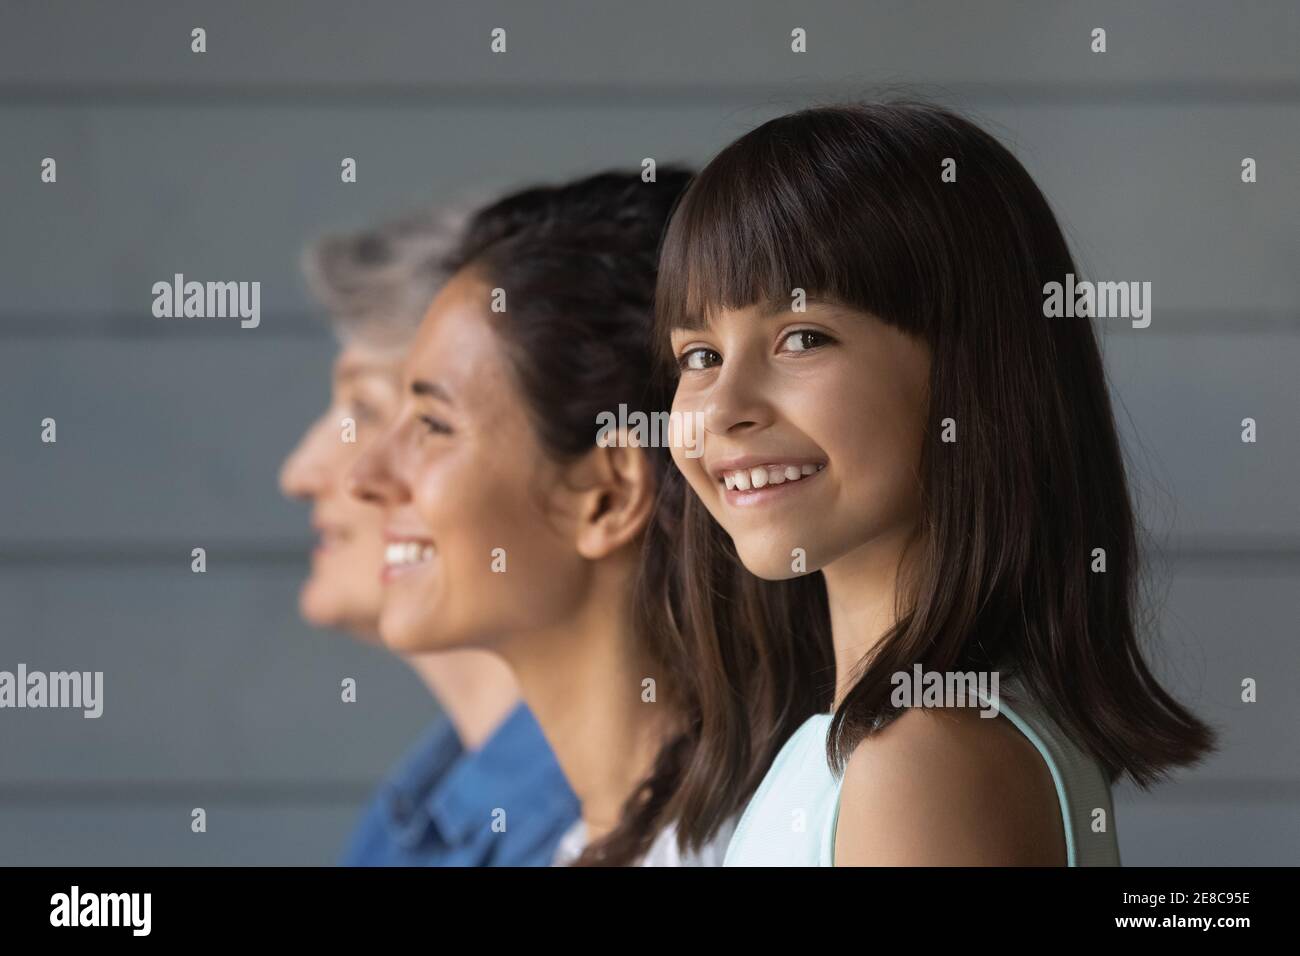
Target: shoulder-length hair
851	204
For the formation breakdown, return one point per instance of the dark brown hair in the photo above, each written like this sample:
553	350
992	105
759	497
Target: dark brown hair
579	262
848	203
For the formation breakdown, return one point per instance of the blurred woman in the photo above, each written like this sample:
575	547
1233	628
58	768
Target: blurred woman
485	750
511	528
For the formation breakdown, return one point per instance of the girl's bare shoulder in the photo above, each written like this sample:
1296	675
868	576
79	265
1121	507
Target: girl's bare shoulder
948	787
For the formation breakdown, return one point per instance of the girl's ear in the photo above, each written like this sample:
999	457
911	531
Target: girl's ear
616	501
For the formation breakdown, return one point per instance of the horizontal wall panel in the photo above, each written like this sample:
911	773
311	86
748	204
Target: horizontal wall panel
305	835
1231	833
1218	628
1145	194
209	679
1180	401
1150	834
675	43
172	441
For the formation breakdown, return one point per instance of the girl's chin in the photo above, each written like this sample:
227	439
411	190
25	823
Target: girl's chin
774	573
773	562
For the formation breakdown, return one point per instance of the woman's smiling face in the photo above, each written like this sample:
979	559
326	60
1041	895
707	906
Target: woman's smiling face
478	544
813	429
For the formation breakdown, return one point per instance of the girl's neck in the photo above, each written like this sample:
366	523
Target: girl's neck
583	681
862	591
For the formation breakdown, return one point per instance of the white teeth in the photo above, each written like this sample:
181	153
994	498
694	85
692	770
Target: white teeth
407	552
747	478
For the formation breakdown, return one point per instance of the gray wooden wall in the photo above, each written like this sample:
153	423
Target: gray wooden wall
220	165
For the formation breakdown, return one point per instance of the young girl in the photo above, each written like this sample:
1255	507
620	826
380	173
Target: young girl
512	529
930	467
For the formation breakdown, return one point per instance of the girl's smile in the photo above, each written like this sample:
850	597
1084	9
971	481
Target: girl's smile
772	479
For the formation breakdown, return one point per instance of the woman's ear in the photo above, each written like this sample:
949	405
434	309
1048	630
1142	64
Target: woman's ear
616	501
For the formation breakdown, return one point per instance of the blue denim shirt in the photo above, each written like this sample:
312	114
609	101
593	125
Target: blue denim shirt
506	804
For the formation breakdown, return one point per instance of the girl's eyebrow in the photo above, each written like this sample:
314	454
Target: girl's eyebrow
773	309
778	307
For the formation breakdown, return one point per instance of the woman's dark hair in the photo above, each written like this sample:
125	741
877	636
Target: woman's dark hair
850	204
578	263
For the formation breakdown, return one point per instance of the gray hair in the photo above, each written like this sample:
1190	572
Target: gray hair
376	283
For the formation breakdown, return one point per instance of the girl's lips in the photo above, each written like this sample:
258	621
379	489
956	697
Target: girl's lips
719	469
768	493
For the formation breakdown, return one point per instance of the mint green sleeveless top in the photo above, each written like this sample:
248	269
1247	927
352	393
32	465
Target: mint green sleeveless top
790	821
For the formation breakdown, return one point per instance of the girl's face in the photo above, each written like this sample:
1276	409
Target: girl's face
813	426
343	589
479	542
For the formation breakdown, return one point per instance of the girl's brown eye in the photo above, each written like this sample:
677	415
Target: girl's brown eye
805	340
698	359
